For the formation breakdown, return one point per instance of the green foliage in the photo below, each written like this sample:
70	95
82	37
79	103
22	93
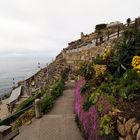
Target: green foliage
127	86
58	88
98	60
106	88
100	27
130	87
87	71
47	103
25	103
64	74
86	105
111	99
94	98
100	108
106	126
85	88
128	47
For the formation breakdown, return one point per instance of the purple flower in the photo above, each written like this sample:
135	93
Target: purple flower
89	119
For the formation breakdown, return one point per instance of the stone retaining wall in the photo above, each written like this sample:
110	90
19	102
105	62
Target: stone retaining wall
128	129
88	53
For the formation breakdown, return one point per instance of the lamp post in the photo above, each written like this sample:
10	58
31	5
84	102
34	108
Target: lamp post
13	82
39	65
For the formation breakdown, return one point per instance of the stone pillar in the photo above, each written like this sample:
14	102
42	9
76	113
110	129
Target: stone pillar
37	109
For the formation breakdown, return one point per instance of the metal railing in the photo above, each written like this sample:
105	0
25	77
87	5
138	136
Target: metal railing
8	120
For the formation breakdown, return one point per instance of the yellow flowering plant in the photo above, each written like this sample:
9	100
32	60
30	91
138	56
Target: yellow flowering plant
99	69
136	63
107	53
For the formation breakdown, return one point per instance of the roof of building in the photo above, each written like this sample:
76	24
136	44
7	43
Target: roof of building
15	95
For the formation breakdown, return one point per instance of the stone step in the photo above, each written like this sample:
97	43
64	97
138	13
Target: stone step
61	116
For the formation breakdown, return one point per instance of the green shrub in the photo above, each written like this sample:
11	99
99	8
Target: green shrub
47	103
105	88
87	71
100	108
106	126
94	97
85	88
86	105
126	48
58	88
64	74
130	87
98	60
25	103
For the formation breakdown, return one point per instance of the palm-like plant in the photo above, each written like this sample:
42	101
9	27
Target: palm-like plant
126	49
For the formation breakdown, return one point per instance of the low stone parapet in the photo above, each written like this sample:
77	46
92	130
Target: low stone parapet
6	133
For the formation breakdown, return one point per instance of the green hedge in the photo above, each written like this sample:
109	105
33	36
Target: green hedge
25	103
58	88
47	103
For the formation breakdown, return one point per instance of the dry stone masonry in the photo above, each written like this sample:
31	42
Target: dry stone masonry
128	129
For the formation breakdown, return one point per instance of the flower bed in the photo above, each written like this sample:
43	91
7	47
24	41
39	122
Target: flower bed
88	119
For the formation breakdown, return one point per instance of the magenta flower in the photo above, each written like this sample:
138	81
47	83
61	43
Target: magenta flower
89	119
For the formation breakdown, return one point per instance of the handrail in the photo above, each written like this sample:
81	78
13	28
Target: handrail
13	117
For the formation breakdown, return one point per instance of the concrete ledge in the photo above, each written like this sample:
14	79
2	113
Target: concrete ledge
6	133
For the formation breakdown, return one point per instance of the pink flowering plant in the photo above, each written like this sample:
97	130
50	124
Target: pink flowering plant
89	119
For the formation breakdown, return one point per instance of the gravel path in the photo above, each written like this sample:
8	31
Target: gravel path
59	124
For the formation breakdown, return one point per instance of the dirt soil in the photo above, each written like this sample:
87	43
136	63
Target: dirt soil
130	109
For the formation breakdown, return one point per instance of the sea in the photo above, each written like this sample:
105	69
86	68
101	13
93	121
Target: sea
13	70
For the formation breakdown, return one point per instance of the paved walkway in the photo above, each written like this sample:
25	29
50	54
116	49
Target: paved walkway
59	124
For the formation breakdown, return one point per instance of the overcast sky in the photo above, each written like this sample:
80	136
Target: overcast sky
44	27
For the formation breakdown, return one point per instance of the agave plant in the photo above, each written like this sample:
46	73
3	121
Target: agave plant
126	49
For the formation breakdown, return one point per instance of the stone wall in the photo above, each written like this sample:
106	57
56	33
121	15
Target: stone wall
88	53
128	129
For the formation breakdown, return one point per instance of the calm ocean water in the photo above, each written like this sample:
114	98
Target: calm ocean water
19	69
